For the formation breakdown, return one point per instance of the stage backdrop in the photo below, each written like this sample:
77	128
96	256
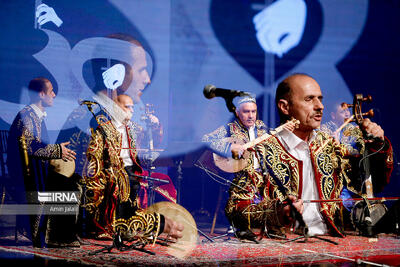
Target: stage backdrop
349	47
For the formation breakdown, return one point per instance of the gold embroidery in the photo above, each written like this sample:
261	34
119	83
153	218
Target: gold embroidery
142	226
31	128
285	168
104	170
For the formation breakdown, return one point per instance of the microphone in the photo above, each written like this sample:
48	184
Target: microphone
210	91
87	102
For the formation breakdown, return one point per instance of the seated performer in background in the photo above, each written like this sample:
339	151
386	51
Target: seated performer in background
111	184
106	72
349	135
244	128
29	123
346	135
311	165
119	76
167	190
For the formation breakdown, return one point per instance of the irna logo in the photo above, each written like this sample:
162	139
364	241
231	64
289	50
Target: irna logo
58	197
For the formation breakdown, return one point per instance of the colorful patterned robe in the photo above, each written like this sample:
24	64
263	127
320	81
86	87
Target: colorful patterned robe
107	185
333	165
81	118
257	203
27	124
246	204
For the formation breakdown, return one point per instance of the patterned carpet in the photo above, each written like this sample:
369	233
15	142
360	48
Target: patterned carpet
352	249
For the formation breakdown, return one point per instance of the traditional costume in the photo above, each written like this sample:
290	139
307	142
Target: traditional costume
52	230
316	170
110	194
247	185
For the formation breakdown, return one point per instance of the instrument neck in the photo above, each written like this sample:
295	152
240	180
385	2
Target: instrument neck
264	136
368	178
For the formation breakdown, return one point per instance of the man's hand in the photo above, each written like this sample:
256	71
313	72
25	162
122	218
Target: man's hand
172	229
286	215
237	150
114	76
66	153
280	26
44	14
154	120
372	129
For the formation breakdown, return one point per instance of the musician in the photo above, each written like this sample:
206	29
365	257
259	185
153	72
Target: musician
349	135
310	164
132	81
29	123
244	128
111	184
346	135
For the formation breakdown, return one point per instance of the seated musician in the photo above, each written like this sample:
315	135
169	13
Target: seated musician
111	184
127	73
307	164
349	135
244	128
345	133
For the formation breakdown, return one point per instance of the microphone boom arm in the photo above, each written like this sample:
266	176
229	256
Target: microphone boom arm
229	104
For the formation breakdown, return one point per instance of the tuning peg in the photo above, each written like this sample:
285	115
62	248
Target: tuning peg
368	98
369	113
346	106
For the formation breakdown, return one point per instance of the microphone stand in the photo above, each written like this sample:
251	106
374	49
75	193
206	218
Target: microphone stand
148	178
299	218
230	230
151	157
179	163
229	104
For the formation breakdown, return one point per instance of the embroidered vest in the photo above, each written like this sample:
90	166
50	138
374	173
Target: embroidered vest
288	170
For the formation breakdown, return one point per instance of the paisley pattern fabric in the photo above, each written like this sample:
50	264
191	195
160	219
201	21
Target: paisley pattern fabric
28	125
352	139
350	136
107	186
284	167
81	118
246	207
331	166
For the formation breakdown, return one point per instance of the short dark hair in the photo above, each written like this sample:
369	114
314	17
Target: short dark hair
38	84
282	92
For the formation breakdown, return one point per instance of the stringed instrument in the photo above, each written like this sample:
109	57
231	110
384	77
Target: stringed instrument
231	164
365	213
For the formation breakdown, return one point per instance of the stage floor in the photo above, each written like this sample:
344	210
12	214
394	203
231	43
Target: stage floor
350	251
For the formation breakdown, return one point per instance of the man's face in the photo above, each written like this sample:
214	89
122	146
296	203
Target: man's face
247	114
47	95
126	104
305	103
341	114
140	76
